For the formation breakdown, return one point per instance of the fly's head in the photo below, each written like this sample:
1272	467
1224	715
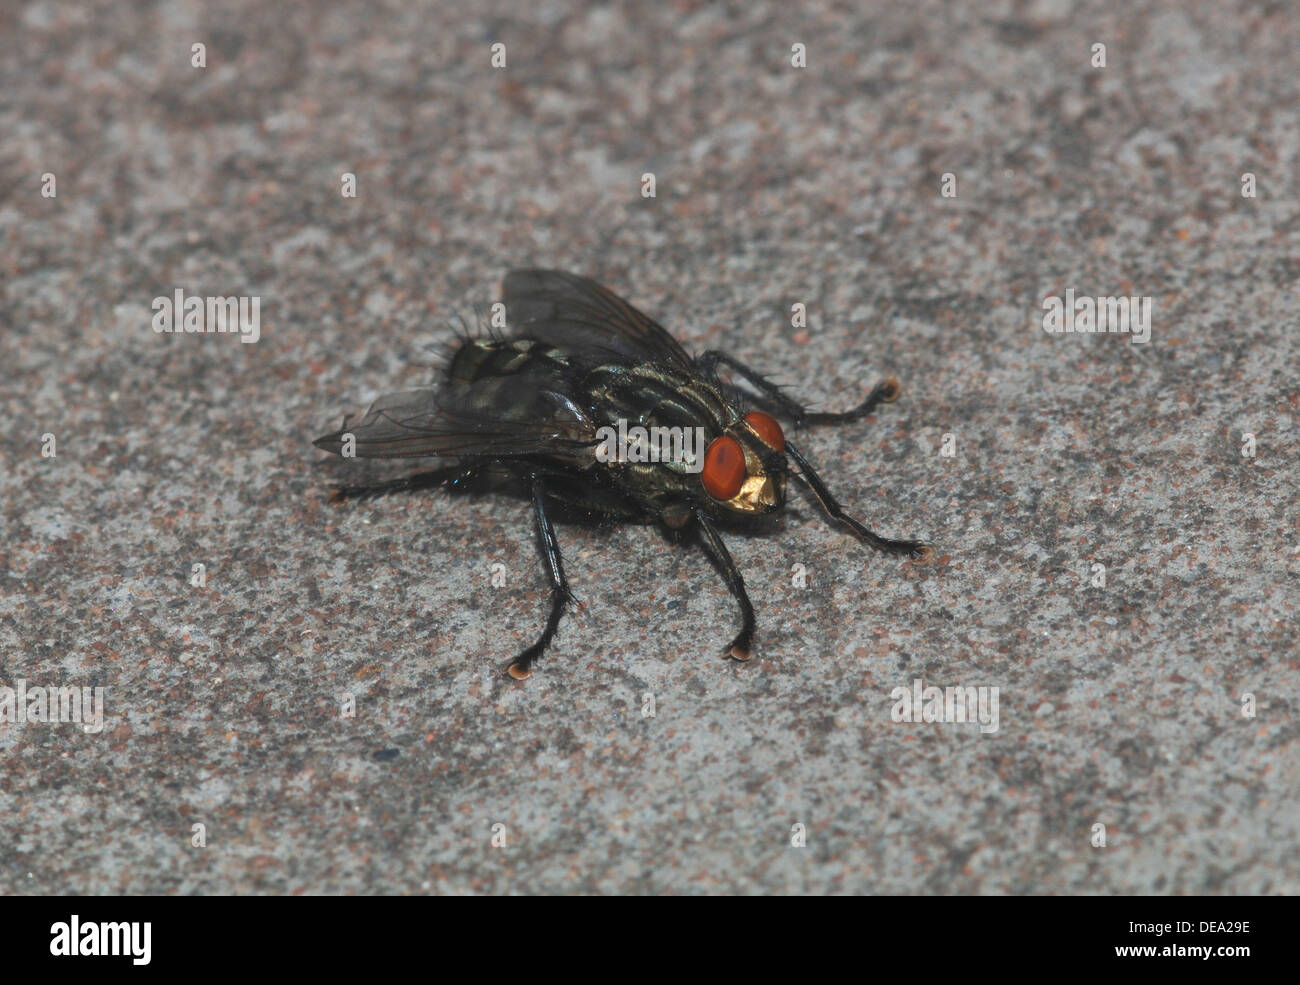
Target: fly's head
745	466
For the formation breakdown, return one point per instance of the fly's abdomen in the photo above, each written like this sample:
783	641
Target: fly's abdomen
480	359
521	388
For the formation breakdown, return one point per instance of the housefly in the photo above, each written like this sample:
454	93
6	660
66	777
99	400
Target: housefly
562	407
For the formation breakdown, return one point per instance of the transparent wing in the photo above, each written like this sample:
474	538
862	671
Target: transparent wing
592	325
496	418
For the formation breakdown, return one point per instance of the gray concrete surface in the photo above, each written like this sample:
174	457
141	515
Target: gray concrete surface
1119	705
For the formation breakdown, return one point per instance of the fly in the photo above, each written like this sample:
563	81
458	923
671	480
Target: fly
551	410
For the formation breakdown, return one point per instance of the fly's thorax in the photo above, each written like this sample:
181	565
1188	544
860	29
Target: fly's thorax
656	416
654	395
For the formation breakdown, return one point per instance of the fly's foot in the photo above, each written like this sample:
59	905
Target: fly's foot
889	390
740	649
913	549
521	667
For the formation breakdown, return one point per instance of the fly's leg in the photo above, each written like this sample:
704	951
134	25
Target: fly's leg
453	477
741	648
521	667
884	392
912	548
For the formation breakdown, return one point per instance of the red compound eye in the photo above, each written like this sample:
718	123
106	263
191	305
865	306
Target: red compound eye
767	429
724	468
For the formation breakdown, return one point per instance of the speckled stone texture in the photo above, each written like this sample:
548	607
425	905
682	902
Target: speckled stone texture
1120	705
